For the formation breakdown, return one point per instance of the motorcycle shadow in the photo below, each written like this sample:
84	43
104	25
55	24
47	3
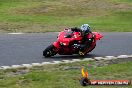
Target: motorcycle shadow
66	57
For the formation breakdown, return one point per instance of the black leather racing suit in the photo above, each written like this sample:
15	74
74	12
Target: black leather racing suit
85	41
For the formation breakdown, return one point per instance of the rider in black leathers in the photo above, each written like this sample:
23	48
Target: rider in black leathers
86	42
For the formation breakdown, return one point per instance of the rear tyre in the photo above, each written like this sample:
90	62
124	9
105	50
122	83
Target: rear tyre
49	51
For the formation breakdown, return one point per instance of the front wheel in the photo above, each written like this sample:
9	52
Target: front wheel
49	51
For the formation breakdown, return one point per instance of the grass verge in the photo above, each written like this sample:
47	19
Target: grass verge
54	15
65	75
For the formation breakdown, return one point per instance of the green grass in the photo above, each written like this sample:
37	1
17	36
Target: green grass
54	15
120	1
64	75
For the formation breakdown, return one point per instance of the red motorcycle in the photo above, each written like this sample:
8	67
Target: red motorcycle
68	43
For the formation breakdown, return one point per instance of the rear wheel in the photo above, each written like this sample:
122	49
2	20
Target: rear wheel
49	51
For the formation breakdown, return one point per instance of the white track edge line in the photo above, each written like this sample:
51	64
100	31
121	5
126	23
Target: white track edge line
15	33
64	61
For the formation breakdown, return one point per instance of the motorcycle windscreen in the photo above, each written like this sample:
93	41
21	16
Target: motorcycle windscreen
68	34
65	37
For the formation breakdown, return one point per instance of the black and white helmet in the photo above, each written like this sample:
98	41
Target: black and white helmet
85	27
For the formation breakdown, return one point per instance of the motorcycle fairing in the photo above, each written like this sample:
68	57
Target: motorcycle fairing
97	35
66	38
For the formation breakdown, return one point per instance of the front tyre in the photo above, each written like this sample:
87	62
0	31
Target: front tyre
49	51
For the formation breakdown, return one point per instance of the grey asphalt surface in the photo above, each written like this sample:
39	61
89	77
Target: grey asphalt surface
28	48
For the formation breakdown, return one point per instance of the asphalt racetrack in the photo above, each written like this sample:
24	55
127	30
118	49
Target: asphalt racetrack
27	48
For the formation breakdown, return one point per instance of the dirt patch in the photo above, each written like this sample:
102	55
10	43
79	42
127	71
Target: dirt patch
100	63
67	8
35	10
11	27
121	6
73	7
16	72
110	62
